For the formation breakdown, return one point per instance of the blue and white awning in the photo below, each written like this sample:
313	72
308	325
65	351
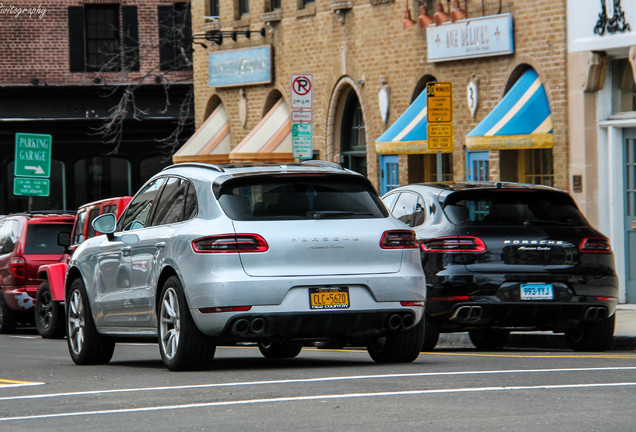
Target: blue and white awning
521	120
408	135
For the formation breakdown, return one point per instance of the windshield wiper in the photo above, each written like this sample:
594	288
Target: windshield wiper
546	222
322	214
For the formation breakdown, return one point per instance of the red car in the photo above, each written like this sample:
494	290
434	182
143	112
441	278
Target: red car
27	241
49	306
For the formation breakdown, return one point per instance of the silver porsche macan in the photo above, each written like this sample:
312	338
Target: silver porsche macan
278	255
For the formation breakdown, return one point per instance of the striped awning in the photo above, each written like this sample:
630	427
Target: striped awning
270	140
210	143
408	135
521	120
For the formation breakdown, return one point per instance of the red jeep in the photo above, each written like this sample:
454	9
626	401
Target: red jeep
27	240
49	306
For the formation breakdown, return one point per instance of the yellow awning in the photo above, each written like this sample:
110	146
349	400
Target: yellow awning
210	143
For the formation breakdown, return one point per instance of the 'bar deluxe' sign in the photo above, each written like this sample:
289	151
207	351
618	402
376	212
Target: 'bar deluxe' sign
240	67
470	38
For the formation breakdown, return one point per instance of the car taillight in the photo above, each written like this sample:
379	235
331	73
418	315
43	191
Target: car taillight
225	309
18	267
454	244
230	243
398	239
595	245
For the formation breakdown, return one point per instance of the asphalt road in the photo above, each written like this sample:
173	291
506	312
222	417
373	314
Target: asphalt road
320	390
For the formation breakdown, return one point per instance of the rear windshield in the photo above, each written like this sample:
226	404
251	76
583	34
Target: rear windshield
42	238
300	197
519	207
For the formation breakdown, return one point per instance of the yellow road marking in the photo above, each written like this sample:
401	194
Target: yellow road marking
14	383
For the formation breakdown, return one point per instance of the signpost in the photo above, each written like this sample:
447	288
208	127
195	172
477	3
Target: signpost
439	102
302	90
32	165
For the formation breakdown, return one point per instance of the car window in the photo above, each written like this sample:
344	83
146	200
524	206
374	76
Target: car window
406	207
111	208
171	204
92	215
80	223
9	232
140	207
191	206
42	238
519	207
389	200
300	197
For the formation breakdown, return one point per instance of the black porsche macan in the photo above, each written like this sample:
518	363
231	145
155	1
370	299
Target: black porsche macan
503	257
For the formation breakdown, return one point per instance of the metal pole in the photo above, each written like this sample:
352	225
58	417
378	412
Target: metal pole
440	174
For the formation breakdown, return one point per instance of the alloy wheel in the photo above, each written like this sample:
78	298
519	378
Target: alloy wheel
170	326
76	322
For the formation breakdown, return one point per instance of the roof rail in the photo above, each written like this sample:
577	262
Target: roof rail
322	163
196	164
45	213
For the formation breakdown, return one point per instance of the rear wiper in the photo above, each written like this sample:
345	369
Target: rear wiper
322	214
546	222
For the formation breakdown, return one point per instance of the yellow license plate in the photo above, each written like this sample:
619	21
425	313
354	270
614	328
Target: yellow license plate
329	298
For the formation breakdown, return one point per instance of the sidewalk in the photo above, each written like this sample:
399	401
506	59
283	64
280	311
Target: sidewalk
624	335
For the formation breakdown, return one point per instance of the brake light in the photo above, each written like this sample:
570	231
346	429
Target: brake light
230	243
595	245
18	267
454	244
412	303
398	239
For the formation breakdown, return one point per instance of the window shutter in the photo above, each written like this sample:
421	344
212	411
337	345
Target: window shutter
131	37
77	61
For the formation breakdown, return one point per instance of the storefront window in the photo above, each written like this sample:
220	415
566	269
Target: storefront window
101	177
537	166
353	147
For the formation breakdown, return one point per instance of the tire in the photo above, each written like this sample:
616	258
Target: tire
7	317
279	350
596	336
181	343
398	347
85	345
431	335
488	340
49	314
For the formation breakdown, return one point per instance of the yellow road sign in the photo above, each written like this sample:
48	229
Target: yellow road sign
439	100
440	136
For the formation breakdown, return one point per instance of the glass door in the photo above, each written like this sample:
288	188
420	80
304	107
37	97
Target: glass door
389	173
477	169
629	181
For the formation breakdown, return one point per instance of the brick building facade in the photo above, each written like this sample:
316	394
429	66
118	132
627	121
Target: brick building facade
356	49
64	66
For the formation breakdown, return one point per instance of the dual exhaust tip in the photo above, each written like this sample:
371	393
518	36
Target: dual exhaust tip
249	326
467	314
400	321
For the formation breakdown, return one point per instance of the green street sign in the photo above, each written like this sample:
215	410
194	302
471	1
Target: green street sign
32	155
302	140
31	186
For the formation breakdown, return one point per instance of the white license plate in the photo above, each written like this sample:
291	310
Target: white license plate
536	291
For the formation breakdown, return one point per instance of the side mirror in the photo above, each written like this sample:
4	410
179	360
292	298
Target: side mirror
64	239
105	224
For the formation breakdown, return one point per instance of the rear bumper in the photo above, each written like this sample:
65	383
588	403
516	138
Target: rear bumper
21	298
318	326
467	302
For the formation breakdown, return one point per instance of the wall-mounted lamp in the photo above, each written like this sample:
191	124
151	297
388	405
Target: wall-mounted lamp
424	19
407	22
440	16
458	13
216	36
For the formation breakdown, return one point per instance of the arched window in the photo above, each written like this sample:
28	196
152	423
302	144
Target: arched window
353	147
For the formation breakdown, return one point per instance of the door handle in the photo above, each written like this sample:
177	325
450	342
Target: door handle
160	245
125	251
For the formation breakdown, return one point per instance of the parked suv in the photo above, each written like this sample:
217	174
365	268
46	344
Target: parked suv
502	257
275	254
27	240
49	305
